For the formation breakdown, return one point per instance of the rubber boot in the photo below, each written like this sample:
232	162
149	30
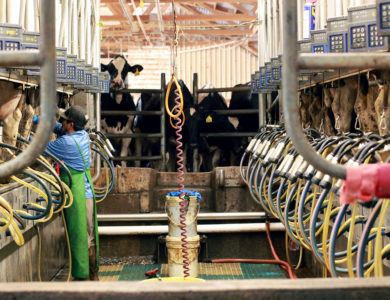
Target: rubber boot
80	279
93	272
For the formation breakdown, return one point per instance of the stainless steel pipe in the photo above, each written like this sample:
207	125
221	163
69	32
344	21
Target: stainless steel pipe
98	128
164	217
20	58
48	92
202	228
349	61
289	91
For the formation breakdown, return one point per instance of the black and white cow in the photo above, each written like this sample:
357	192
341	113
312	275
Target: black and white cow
152	124
118	68
149	124
246	122
170	132
214	151
245	100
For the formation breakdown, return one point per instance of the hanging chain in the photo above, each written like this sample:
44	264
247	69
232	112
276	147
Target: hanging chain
175	40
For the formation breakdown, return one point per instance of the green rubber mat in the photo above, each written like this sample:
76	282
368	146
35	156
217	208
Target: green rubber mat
207	271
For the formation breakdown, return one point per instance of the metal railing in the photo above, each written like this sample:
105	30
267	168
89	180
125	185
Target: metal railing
161	113
292	62
45	58
197	91
161	135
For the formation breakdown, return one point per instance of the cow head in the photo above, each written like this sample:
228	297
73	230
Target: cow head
118	69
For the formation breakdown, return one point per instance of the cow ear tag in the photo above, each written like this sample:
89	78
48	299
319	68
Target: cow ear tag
136	72
209	119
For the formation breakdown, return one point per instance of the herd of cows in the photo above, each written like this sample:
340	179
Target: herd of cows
355	104
352	104
200	153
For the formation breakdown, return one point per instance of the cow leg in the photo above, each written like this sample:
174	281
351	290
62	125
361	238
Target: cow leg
164	167
9	99
216	159
25	124
195	159
172	167
184	157
125	150
138	149
171	161
348	97
10	128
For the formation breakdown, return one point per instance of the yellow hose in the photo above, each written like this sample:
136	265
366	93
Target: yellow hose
180	108
349	243
378	241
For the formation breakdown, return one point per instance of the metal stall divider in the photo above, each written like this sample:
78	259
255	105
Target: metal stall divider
224	112
161	112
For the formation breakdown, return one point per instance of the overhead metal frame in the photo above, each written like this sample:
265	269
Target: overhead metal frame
46	58
292	62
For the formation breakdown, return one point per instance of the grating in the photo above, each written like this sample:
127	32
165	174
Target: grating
207	271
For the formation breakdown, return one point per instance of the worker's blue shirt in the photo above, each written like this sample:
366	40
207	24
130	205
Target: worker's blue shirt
65	148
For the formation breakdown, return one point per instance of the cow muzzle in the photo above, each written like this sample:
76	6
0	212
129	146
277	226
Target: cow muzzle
117	84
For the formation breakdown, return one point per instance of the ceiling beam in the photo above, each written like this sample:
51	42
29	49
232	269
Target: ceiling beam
150	8
250	49
187	1
159	16
215	9
127	13
213	32
240	8
148	25
112	45
215	17
140	24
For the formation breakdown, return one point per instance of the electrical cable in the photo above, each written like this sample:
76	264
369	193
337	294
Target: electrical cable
175	114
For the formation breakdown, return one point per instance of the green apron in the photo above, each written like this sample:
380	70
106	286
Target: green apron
76	222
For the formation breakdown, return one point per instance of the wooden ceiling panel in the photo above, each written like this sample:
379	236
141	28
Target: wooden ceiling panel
198	22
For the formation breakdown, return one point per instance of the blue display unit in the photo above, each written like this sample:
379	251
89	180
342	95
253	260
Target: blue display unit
80	73
30	41
61	54
363	30
10	37
337	33
104	82
383	17
319	41
276	67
